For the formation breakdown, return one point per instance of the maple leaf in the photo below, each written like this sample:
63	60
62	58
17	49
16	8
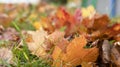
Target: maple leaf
46	23
54	39
40	43
65	19
97	22
88	23
75	53
62	14
61	17
35	42
100	22
87	64
95	27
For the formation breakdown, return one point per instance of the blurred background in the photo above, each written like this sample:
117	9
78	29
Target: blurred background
110	7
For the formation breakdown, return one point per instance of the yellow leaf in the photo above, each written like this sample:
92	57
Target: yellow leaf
85	12
88	12
37	25
91	9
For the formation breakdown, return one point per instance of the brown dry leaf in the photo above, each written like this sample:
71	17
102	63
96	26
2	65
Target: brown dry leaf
101	22
46	24
87	22
40	43
115	55
75	54
6	55
5	20
115	28
93	36
117	38
1	29
54	39
106	48
55	36
35	41
63	18
9	34
98	22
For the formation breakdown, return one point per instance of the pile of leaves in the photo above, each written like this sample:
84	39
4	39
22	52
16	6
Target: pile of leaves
83	38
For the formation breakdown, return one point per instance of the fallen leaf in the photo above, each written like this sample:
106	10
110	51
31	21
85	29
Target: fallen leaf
6	55
106	48
78	15
35	42
101	22
5	20
54	39
40	43
37	25
88	12
86	64
114	28
117	38
63	18
87	22
45	24
115	55
75	53
9	34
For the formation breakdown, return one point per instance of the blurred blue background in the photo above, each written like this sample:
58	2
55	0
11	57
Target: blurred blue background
110	7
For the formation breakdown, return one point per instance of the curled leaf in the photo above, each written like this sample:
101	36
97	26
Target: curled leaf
106	48
115	54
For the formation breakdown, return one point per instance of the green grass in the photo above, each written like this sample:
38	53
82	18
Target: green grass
23	57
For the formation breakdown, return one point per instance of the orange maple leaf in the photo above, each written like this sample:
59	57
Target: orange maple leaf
75	53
